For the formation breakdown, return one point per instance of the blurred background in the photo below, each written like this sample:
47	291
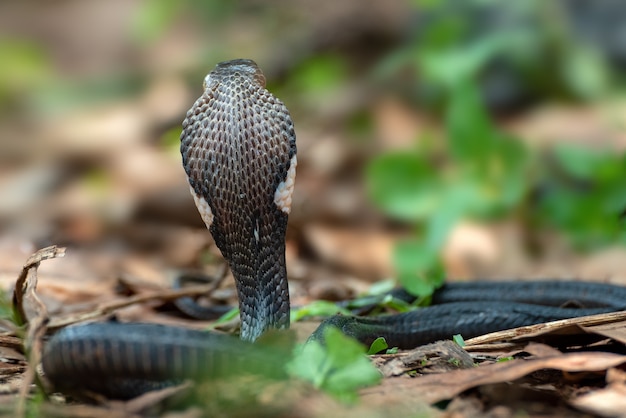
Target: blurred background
436	138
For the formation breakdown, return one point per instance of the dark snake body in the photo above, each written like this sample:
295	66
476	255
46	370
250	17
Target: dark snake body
238	148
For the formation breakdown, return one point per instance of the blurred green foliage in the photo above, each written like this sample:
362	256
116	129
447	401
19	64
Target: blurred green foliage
483	173
316	308
24	68
339	367
513	50
584	195
155	17
314	80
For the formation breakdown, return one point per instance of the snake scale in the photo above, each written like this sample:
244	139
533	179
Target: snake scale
238	148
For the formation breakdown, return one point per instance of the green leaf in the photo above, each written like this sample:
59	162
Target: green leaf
586	182
587	164
585	72
317	79
385	301
418	267
339	368
470	130
458	339
403	185
454	62
381	287
378	345
228	316
317	308
395	304
25	67
492	166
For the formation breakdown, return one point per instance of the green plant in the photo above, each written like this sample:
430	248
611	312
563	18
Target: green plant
378	345
476	170
458	339
582	194
317	308
339	367
25	68
484	175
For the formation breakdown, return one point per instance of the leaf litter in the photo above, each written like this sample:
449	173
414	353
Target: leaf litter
578	359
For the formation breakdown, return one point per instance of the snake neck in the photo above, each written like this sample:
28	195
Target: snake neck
258	265
257	261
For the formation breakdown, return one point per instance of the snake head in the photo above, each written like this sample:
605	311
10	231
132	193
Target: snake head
238	67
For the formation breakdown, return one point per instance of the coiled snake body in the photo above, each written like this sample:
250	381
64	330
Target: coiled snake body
239	153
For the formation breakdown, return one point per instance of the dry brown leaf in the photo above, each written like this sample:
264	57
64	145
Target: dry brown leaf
367	253
613	330
582	125
541	350
438	387
607	402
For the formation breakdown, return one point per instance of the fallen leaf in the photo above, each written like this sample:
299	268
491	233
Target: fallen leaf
607	402
438	387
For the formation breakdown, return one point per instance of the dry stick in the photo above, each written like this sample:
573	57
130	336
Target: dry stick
218	279
80	410
110	307
521	332
14	343
25	289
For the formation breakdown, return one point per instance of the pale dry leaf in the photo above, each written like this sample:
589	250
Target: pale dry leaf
607	402
438	387
613	330
364	252
541	350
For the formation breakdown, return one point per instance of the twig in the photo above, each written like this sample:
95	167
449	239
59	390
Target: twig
31	265
110	307
25	290
524	332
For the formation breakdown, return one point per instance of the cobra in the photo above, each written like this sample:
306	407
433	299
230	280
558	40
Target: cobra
238	146
239	152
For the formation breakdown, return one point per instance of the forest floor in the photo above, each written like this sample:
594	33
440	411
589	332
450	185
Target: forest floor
103	181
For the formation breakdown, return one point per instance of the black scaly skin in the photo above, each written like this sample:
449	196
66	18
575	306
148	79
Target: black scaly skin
237	144
123	360
441	322
544	292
